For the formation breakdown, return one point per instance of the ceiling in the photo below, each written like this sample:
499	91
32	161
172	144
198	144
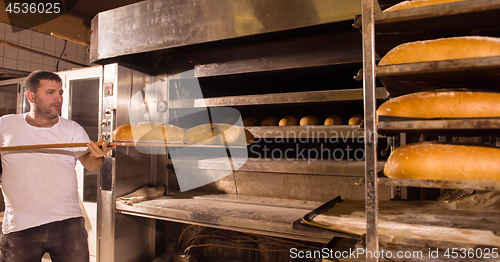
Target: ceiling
83	12
90	8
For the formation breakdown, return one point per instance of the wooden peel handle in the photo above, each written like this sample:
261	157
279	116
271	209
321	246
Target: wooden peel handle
43	146
249	137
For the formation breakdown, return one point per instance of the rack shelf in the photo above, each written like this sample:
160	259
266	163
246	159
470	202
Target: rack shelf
476	185
260	215
312	167
478	17
471	73
283	98
451	127
313	52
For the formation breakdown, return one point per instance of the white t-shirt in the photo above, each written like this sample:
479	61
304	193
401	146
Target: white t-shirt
39	186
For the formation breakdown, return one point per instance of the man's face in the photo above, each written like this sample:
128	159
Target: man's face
48	98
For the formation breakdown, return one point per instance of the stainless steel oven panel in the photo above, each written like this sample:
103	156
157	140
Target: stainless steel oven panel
159	24
126	171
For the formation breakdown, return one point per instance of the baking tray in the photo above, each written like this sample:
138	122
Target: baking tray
483	126
306	222
450	184
471	73
426	221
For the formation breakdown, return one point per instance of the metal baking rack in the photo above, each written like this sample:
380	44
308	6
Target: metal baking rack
452	127
384	31
478	17
475	185
471	73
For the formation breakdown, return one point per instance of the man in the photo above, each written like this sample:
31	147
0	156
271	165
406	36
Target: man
42	211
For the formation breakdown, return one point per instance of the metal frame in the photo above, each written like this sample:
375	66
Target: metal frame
371	186
451	13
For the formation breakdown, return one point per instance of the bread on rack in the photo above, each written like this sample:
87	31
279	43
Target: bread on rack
356	120
149	132
443	49
219	134
418	3
443	104
309	120
270	121
333	120
251	121
444	161
288	121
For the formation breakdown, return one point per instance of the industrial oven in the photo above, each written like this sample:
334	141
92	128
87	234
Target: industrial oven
226	61
170	61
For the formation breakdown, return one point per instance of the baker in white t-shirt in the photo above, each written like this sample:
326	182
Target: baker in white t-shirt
42	211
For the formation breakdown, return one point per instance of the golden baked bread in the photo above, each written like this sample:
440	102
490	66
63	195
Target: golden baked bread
148	132
444	161
333	120
356	120
443	49
309	120
289	121
444	104
251	121
214	134
270	121
418	3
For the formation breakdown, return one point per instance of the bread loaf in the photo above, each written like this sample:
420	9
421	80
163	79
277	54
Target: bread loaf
356	120
446	104
443	49
214	134
444	161
149	132
417	3
251	121
289	121
270	121
309	120
333	120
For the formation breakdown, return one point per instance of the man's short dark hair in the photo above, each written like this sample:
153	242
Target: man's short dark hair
33	80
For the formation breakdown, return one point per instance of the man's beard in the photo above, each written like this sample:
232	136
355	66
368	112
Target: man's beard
49	112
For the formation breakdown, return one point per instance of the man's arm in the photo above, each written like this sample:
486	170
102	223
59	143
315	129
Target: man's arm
93	160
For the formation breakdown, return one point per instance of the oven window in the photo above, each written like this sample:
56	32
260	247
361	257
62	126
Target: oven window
84	109
8	99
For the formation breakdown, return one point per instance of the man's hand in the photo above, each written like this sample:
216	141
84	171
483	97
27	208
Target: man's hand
93	160
98	152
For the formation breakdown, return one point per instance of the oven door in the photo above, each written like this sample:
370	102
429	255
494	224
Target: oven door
81	104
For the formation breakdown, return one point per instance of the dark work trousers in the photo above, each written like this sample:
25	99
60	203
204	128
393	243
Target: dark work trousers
64	240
